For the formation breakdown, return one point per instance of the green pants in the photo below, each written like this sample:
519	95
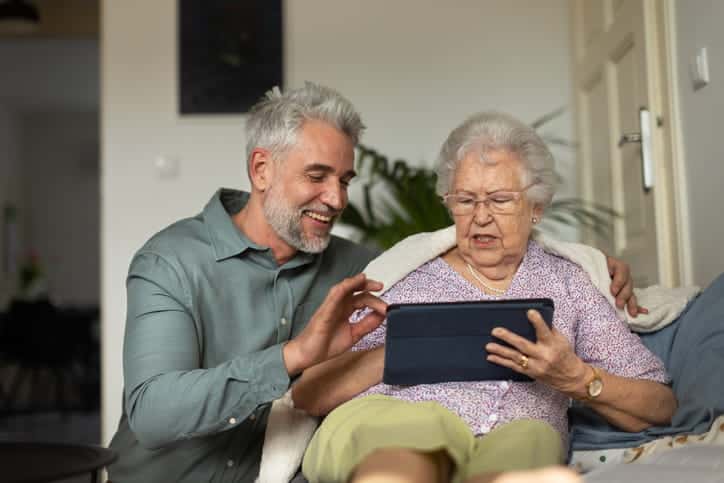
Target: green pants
361	426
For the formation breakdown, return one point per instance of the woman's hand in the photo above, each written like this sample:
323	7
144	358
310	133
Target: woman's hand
625	402
550	360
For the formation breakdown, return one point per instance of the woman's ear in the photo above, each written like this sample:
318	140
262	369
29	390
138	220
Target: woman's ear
537	213
261	169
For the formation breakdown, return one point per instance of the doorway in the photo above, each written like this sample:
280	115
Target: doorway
49	192
627	131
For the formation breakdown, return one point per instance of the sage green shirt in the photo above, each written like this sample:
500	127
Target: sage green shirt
208	314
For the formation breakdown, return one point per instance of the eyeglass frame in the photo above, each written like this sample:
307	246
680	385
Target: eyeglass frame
517	196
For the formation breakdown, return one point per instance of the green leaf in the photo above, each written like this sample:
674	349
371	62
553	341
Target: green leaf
546	118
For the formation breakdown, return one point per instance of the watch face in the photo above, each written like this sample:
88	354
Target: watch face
595	388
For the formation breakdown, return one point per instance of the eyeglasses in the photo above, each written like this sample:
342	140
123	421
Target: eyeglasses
500	202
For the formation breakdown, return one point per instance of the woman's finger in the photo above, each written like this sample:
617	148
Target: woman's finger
514	365
542	331
502	351
523	345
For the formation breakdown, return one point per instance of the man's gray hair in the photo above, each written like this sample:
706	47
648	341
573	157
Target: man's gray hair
275	121
493	131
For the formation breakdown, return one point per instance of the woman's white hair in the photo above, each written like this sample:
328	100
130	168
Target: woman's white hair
274	122
496	131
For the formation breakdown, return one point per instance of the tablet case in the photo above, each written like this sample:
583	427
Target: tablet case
440	342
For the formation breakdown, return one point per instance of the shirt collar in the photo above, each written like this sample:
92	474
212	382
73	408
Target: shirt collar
227	239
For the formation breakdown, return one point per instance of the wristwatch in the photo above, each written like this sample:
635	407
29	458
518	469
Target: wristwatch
594	386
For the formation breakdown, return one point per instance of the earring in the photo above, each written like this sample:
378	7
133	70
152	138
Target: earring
535	220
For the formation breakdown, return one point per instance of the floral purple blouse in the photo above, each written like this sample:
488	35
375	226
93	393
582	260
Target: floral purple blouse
598	335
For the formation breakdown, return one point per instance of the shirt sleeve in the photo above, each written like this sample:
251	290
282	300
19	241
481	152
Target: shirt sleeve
604	340
168	395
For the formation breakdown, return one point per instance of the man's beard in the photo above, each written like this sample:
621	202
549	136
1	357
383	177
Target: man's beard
286	220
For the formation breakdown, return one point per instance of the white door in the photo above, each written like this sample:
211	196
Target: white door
618	72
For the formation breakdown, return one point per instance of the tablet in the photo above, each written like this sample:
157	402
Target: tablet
442	342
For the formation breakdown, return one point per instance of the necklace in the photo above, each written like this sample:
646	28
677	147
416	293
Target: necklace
474	273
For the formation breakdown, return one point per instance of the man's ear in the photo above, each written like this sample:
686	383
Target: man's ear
261	169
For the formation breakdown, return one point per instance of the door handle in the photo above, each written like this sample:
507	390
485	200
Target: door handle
631	137
643	138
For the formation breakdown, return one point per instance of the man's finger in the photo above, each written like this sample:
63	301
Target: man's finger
624	295
366	299
367	324
344	288
633	306
620	274
372	286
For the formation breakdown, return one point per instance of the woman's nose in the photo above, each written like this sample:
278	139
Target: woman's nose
481	213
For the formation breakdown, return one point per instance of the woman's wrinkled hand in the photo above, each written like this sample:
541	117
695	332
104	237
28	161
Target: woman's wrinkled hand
550	360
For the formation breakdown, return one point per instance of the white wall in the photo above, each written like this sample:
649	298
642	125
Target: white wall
699	25
413	68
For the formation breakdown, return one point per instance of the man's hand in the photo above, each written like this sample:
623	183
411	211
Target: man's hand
329	332
622	286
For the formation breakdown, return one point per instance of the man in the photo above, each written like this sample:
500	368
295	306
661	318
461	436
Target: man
225	308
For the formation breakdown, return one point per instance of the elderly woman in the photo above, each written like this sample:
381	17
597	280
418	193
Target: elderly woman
496	177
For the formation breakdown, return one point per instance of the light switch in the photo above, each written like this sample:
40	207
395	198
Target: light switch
166	167
700	69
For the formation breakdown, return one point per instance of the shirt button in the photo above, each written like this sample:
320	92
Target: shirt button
252	417
230	463
232	420
493	417
283	321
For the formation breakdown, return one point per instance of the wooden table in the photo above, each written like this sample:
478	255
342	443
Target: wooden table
29	462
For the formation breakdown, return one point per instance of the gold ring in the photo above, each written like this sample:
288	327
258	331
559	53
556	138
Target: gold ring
523	361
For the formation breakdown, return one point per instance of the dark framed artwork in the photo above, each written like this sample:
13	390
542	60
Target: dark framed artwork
230	54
